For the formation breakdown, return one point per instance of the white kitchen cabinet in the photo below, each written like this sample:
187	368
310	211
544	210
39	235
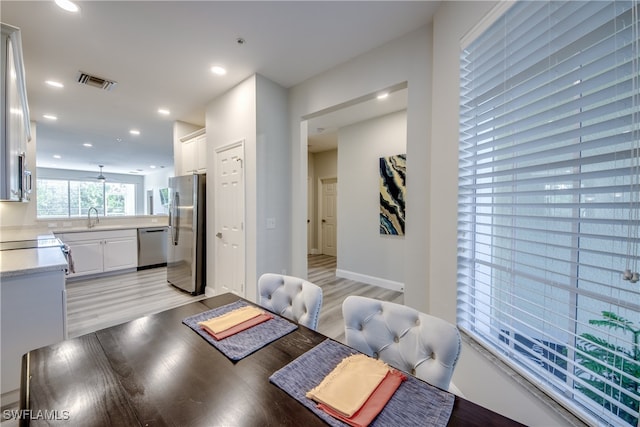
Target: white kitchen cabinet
120	253
95	252
34	314
194	153
201	153
188	156
87	257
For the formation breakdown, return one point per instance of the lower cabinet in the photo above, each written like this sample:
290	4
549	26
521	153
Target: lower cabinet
95	252
33	314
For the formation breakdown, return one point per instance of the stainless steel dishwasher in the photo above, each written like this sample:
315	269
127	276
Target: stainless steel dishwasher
152	247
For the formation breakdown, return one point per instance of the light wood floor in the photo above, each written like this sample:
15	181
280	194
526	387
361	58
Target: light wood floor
99	303
322	272
102	302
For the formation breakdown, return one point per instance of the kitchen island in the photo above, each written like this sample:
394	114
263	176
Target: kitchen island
33	302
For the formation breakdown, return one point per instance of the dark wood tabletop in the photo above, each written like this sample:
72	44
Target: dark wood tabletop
155	371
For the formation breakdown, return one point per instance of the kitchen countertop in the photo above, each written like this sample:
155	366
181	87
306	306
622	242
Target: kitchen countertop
26	261
11	235
19	262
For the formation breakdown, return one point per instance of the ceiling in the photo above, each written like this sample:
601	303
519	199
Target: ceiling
160	53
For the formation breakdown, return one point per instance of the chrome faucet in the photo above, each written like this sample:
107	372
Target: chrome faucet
92	224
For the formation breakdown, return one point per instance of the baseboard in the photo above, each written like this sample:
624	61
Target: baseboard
371	280
315	251
455	390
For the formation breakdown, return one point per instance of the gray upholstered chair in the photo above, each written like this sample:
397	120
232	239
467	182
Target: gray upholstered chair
294	298
420	344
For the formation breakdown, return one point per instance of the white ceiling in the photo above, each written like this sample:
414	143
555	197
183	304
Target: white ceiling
160	54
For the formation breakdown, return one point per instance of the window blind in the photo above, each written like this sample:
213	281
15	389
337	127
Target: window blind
548	214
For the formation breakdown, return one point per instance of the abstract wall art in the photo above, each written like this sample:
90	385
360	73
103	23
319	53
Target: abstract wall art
393	170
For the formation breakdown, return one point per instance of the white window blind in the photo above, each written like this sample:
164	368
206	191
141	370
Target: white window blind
548	216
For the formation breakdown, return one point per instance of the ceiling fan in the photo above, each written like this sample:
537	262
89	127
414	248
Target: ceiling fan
100	176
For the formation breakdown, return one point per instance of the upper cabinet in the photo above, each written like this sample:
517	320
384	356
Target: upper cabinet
194	153
15	132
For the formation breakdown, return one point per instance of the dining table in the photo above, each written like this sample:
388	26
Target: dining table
158	371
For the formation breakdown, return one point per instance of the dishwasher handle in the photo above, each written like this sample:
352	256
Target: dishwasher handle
153	230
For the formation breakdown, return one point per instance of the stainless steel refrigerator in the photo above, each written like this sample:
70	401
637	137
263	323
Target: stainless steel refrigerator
186	258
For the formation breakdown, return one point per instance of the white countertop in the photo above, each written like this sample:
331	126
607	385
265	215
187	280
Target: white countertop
11	235
18	262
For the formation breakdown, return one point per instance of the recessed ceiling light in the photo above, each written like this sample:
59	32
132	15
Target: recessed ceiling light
49	117
57	156
152	166
383	95
134	132
88	144
218	70
68	5
164	111
53	83
118	139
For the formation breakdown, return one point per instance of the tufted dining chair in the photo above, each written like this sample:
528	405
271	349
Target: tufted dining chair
420	344
294	298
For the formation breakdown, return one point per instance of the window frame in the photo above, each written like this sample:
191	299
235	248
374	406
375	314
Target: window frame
499	351
103	209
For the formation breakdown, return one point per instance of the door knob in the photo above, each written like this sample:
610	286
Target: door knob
219	235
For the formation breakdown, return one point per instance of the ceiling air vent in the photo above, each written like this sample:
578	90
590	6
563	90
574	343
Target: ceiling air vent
94	81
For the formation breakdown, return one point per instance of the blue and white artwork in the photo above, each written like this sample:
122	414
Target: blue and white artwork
393	170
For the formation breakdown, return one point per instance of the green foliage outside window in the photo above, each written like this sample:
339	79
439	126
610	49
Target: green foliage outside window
600	359
73	199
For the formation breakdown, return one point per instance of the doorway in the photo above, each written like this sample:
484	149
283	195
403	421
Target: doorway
322	131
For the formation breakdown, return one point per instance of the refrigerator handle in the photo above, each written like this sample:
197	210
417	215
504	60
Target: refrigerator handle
175	229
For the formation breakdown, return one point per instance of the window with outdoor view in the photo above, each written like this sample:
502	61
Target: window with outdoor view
549	200
73	198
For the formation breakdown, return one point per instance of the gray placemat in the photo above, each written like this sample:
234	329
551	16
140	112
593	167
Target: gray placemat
415	403
245	342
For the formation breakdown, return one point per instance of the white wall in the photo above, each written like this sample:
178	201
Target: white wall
406	59
231	118
254	111
273	179
154	182
362	250
476	376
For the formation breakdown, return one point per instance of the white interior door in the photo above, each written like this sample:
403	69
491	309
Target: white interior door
229	220
310	239
329	217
